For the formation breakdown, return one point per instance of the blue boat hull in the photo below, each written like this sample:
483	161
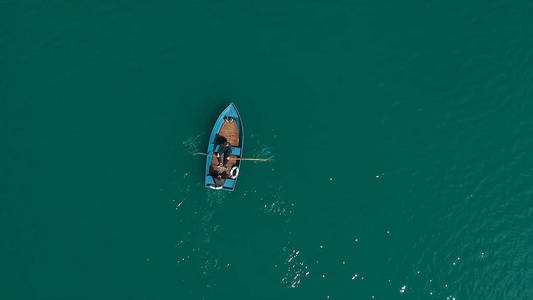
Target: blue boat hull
228	127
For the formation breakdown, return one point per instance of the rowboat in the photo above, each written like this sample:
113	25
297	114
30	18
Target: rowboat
228	127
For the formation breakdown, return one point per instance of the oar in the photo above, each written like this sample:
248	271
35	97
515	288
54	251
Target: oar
236	158
256	159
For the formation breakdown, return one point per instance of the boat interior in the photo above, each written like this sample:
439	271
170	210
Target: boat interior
228	132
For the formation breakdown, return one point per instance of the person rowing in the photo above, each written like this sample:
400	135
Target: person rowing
225	151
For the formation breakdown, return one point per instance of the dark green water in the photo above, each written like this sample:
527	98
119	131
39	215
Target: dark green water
402	138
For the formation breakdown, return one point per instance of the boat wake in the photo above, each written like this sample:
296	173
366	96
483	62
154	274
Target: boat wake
296	268
263	152
192	144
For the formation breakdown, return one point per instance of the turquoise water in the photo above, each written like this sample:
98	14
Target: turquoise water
401	138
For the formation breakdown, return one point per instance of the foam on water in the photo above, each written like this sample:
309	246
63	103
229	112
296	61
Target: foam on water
296	268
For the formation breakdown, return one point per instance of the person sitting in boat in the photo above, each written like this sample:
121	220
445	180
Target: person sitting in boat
220	178
225	151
